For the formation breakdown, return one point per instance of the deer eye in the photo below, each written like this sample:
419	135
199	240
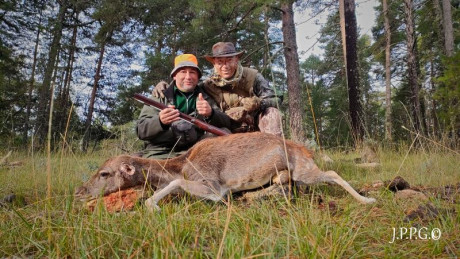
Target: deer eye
104	174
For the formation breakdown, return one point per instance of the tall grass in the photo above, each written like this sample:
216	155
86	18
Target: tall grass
189	228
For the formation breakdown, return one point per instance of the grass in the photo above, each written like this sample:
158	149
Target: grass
189	228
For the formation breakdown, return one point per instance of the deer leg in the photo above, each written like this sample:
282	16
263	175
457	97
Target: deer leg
272	190
281	177
331	177
204	189
278	186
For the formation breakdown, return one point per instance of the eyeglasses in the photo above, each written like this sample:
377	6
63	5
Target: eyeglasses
222	61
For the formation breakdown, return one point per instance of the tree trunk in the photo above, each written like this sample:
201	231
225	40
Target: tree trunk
44	90
32	79
266	56
448	28
388	124
89	116
342	31
64	98
434	117
296	113
354	94
412	66
48	136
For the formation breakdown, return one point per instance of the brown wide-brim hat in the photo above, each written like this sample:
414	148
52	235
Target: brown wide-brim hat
223	49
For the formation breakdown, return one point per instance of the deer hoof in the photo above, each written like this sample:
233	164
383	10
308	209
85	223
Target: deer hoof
369	200
152	206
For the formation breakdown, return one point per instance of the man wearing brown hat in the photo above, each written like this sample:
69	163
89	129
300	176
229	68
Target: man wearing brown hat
241	92
164	133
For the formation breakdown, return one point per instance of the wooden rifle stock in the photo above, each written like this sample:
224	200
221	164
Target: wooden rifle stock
199	123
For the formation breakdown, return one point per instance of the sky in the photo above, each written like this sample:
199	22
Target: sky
308	32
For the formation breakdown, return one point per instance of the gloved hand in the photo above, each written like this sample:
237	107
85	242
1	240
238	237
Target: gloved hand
237	113
251	104
185	133
157	92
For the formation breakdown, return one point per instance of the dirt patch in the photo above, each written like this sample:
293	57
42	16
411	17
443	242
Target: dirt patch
398	184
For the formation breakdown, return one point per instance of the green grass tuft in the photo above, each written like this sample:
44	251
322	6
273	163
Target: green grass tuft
189	228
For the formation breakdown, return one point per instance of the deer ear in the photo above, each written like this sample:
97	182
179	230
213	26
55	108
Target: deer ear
127	169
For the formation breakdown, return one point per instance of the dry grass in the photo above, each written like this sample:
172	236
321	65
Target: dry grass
189	228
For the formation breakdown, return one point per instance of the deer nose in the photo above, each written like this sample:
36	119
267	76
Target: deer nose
80	191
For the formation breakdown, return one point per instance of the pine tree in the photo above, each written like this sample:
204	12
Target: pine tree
352	71
296	113
412	66
388	124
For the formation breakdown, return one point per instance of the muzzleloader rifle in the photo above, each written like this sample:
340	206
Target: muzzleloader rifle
199	123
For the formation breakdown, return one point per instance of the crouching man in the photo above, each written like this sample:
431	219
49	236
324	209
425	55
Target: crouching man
241	92
166	135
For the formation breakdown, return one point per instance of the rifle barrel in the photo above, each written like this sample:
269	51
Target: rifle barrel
199	123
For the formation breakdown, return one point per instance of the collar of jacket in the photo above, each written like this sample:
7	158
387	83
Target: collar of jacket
169	92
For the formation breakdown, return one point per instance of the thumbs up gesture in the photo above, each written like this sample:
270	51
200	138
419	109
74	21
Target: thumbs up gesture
202	106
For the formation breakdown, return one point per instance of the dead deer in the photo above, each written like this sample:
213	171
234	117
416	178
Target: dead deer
214	167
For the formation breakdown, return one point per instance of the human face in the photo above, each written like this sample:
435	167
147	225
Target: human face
186	79
226	66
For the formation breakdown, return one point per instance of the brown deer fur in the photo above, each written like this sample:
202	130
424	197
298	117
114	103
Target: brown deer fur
213	167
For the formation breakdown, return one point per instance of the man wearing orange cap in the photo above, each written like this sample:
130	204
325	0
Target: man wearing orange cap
241	92
164	133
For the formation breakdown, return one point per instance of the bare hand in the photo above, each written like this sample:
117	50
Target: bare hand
203	107
157	92
169	115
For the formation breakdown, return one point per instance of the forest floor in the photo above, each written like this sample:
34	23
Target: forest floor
321	221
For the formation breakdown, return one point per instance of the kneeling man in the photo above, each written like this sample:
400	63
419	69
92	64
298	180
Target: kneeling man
166	135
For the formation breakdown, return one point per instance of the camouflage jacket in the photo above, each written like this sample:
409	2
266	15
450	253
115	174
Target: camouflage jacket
252	83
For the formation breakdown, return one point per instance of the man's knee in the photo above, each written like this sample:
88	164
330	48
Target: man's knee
270	121
185	133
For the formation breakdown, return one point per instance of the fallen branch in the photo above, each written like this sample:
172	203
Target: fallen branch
3	161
